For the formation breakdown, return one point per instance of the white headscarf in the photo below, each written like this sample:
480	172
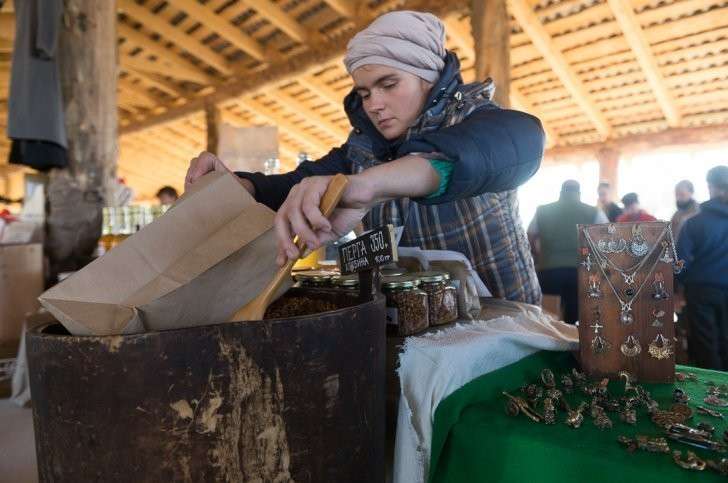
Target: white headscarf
410	41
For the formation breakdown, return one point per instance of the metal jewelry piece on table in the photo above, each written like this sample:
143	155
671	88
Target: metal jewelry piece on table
680	396
691	462
720	466
630	347
708	428
645	443
549	411
578	377
628	416
516	405
567	383
709	412
686	376
694	437
715	401
575	418
548	379
660	348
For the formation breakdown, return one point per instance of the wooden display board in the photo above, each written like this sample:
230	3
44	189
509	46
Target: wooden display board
638	260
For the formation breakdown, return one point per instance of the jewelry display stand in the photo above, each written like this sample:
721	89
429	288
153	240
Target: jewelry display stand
625	279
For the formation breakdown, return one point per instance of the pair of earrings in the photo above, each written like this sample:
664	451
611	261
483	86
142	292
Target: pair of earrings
660	348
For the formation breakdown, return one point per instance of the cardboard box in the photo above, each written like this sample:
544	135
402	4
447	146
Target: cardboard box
21	282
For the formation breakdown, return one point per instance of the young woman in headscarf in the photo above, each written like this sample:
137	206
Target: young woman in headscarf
426	152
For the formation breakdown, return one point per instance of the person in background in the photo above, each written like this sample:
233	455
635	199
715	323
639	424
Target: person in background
703	245
687	207
554	241
632	210
167	195
605	203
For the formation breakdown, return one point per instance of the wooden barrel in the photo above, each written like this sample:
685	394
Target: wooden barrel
292	399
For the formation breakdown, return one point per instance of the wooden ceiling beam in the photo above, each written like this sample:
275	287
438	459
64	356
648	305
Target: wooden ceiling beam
530	24
703	135
318	54
345	8
632	31
221	26
178	65
312	117
157	24
279	18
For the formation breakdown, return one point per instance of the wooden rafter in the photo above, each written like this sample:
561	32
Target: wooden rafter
169	32
178	65
530	24
632	30
345	8
283	21
220	25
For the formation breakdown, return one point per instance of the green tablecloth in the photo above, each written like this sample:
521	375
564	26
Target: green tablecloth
475	441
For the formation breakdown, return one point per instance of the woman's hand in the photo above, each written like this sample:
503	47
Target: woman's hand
409	176
300	214
207	163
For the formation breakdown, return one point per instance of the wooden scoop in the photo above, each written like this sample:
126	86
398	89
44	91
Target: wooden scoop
255	309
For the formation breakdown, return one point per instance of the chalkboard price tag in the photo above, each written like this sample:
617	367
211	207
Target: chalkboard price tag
372	249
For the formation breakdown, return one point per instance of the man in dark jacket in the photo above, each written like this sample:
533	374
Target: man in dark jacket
703	245
427	153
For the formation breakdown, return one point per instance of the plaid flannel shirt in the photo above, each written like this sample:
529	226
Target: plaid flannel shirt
487	228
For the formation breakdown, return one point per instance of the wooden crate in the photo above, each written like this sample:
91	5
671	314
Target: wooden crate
602	316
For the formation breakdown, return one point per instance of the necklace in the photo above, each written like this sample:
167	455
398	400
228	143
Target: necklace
627	273
625	316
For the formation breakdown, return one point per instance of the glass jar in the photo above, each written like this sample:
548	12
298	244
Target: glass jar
348	283
406	305
442	297
313	278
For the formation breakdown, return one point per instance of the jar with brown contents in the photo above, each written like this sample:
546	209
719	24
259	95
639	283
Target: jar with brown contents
441	297
406	305
347	283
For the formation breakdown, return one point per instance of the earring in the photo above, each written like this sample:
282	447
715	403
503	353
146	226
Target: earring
660	348
638	247
586	263
631	347
666	256
594	290
659	285
657	314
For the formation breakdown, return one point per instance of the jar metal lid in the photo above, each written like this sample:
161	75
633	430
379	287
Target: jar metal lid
313	276
432	277
345	280
403	281
393	272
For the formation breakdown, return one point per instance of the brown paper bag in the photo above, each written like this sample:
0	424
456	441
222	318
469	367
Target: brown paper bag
210	254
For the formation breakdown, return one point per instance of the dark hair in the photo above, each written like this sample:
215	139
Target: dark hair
604	184
685	184
570	186
718	177
167	190
630	199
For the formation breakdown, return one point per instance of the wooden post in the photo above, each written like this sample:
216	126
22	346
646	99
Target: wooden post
491	28
213	119
609	166
88	73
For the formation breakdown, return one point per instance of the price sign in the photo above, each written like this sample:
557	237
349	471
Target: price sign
372	249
